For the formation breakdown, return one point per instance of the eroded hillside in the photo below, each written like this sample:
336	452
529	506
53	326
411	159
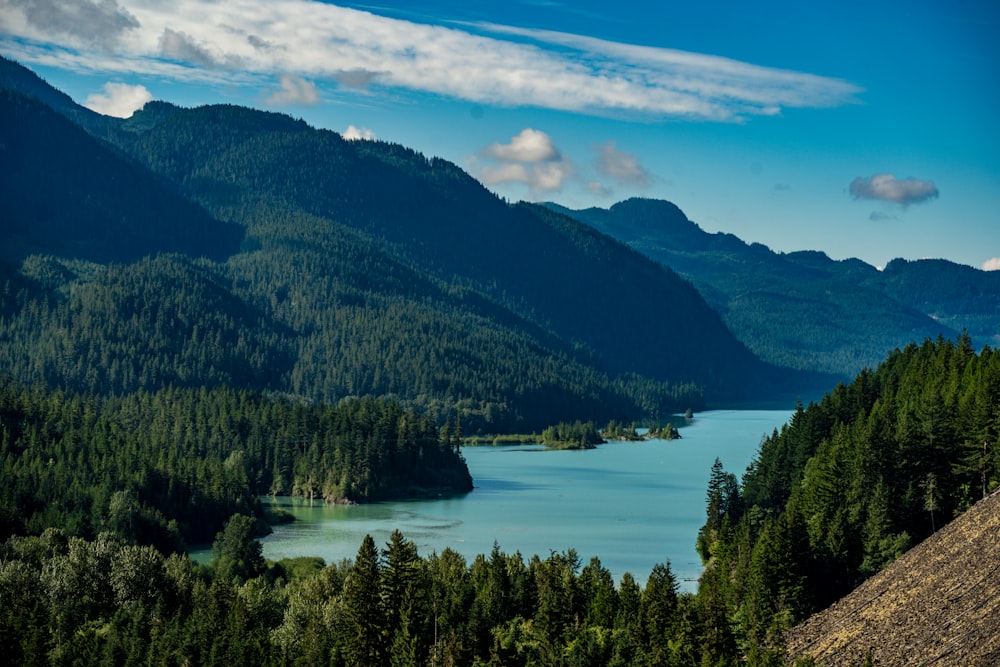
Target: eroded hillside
939	604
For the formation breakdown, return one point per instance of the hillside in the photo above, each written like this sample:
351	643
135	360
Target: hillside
225	245
107	209
938	604
803	309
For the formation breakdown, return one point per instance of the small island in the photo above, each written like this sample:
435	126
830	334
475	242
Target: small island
585	435
578	435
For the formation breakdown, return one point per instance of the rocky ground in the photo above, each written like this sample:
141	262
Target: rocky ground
939	604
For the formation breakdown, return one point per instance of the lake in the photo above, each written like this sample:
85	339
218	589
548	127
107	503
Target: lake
632	504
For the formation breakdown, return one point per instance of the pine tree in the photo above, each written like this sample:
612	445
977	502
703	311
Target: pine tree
364	634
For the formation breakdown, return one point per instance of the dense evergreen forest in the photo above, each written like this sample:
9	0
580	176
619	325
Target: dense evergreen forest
177	463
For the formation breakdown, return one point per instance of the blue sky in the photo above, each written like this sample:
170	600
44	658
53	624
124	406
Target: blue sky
862	129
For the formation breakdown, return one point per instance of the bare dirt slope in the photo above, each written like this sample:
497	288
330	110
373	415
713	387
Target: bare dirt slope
939	604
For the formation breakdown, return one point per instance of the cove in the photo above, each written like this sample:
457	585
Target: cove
631	504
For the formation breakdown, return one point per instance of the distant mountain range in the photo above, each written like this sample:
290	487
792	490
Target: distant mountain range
802	309
224	245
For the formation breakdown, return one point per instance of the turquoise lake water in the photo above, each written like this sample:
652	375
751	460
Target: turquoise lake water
632	504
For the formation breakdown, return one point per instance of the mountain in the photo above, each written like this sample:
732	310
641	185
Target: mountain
802	309
224	245
108	208
938	604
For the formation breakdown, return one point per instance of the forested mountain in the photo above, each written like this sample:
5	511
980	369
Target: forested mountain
68	194
802	309
223	245
850	484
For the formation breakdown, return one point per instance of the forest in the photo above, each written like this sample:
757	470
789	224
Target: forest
845	487
168	468
803	309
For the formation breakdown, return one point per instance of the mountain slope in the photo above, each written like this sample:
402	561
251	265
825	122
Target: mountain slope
337	269
938	604
550	270
803	309
65	192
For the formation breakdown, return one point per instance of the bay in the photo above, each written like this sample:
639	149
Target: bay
632	504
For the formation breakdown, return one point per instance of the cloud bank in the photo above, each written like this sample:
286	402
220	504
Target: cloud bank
95	23
257	40
886	187
992	264
118	99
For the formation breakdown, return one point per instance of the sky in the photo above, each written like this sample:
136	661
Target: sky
860	129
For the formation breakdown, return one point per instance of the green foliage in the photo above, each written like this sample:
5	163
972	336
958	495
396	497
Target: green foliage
106	210
326	269
107	601
236	553
849	484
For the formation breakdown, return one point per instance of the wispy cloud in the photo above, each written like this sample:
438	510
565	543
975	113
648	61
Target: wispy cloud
621	166
178	45
882	216
992	264
531	158
482	63
294	90
599	189
886	187
118	99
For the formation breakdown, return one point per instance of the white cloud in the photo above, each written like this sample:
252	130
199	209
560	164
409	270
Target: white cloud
992	264
511	67
118	99
621	166
886	187
294	90
540	178
531	158
353	133
528	146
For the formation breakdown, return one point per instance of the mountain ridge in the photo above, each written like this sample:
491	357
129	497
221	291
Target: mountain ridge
803	309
